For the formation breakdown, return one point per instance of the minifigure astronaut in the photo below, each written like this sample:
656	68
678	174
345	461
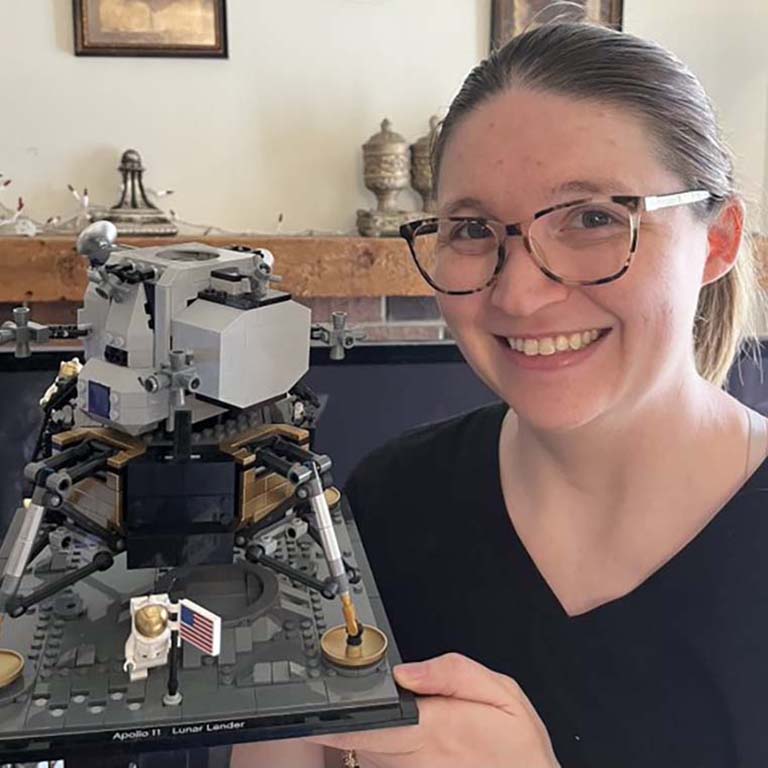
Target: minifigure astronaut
149	642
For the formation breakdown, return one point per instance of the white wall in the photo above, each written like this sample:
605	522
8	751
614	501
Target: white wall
275	128
726	46
278	126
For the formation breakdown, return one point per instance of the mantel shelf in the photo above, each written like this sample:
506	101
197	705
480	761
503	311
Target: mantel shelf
48	269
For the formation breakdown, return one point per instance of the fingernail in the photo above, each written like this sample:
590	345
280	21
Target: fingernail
411	671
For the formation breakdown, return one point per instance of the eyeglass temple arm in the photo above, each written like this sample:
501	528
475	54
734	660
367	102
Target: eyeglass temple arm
656	202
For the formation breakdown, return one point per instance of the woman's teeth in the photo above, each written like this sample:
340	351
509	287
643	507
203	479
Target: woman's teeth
550	345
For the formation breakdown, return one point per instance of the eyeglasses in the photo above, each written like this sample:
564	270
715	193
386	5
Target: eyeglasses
589	241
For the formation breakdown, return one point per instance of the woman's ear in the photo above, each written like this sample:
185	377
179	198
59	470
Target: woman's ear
724	238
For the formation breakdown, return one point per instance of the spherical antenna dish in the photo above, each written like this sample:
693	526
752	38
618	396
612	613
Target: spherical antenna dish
97	241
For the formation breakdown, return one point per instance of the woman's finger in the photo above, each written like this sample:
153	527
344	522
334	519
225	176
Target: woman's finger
447	727
456	676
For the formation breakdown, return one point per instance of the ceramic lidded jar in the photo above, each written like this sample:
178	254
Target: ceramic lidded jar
421	166
386	165
386	172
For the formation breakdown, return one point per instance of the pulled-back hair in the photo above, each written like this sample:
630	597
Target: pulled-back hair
586	61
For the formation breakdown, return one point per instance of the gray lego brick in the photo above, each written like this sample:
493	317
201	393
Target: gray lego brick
347	689
59	562
125	716
117	682
263	629
236	702
98	694
86	655
262	673
83	715
81	685
243	640
280	672
192	658
227	655
296	671
60	693
15	715
42	689
68	658
279	697
137	692
43	719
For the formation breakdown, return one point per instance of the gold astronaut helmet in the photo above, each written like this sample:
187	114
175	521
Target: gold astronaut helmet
151	620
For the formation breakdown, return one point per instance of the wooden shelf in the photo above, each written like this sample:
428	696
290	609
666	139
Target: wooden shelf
44	270
48	269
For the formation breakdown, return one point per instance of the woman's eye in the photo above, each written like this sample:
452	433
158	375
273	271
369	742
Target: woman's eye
592	219
470	230
588	220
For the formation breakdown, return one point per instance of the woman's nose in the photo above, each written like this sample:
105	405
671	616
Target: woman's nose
521	288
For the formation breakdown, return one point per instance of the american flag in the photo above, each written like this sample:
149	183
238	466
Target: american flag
200	627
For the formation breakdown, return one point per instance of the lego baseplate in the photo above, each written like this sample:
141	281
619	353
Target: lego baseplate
270	681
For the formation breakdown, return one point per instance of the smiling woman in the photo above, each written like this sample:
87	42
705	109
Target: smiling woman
583	577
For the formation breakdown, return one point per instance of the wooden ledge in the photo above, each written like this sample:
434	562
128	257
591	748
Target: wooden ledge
49	269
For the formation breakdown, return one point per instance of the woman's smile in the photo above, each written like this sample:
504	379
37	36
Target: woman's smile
552	353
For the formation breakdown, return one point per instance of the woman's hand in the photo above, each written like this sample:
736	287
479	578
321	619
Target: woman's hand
469	716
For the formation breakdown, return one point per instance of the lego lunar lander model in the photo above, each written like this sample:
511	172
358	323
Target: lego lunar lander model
174	496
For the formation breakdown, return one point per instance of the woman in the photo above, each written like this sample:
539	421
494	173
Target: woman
591	548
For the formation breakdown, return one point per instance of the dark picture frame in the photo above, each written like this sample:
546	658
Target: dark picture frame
166	28
509	17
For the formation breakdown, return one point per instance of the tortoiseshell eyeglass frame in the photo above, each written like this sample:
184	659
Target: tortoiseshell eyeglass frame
635	205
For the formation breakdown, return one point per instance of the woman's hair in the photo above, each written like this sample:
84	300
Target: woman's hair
586	61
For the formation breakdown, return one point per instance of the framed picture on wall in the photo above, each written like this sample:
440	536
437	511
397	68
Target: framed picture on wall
150	28
509	17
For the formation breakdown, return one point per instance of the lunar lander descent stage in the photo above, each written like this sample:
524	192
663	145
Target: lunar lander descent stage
177	460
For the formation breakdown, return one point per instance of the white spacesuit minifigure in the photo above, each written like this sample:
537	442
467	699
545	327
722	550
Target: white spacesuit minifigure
150	639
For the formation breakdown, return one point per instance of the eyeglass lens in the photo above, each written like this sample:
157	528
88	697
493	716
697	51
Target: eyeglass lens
582	242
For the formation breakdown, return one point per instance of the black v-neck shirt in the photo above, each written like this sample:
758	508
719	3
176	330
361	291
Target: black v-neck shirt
673	674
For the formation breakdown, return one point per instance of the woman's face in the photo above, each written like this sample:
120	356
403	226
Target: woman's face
521	152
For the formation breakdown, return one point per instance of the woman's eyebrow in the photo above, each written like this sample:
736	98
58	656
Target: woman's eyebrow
462	203
601	186
589	186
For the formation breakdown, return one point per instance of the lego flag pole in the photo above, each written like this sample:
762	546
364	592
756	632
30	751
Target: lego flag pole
173	697
197	626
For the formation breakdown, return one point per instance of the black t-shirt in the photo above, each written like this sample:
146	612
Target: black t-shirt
673	674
